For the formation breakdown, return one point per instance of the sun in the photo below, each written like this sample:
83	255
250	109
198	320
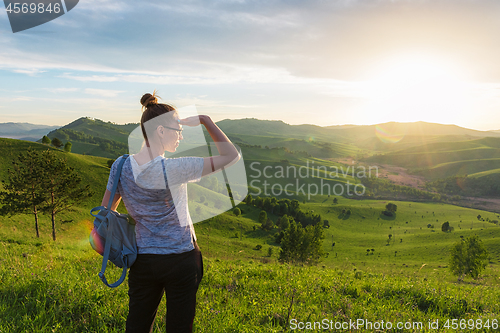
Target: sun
417	88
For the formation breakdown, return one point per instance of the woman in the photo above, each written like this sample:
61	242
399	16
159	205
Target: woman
154	192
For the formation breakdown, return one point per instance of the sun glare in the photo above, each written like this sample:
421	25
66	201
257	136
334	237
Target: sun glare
417	88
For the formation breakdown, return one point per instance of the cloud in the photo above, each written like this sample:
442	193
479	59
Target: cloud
212	42
202	101
20	61
61	90
12	99
90	78
103	92
30	72
199	73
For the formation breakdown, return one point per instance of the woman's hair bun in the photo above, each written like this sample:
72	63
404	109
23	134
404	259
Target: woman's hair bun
148	99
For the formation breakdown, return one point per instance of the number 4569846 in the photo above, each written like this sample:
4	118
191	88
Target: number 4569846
32	8
471	324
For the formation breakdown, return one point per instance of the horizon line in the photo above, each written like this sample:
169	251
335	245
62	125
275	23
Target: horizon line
273	120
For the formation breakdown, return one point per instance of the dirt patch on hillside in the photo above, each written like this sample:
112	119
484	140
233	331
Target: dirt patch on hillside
396	175
489	204
400	176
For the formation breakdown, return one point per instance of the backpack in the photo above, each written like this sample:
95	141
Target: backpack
113	235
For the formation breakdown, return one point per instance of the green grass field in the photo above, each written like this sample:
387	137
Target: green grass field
53	286
48	286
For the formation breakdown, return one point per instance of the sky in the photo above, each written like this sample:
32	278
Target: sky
303	62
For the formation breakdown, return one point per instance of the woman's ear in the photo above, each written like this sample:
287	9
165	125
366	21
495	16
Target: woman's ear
160	130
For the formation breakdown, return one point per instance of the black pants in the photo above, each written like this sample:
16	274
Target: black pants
177	275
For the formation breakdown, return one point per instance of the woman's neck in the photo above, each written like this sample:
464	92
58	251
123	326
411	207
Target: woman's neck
147	154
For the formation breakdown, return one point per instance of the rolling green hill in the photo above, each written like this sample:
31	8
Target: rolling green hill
47	286
366	213
312	146
346	133
101	129
106	139
446	159
376	145
433	151
468	168
50	287
95	137
276	128
93	170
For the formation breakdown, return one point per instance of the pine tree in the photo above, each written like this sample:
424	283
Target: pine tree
62	186
23	191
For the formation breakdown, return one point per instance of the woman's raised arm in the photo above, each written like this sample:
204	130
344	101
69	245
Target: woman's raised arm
228	154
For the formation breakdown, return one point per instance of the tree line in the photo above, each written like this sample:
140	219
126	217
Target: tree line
382	188
299	233
467	186
57	143
41	182
281	207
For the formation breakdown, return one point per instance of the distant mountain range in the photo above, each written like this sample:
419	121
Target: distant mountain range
106	139
348	133
413	128
252	126
24	131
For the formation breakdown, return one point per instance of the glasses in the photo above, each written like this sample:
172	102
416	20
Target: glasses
178	130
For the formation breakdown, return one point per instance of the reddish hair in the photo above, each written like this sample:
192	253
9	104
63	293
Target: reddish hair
151	109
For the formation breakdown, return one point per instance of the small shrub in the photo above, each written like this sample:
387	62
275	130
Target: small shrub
468	257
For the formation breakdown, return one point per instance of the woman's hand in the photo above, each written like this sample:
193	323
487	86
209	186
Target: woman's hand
194	120
190	121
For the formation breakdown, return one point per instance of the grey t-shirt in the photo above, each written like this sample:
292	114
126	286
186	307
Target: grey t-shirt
155	195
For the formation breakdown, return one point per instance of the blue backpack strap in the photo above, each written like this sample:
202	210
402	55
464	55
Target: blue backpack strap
105	255
116	180
109	235
120	280
105	258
